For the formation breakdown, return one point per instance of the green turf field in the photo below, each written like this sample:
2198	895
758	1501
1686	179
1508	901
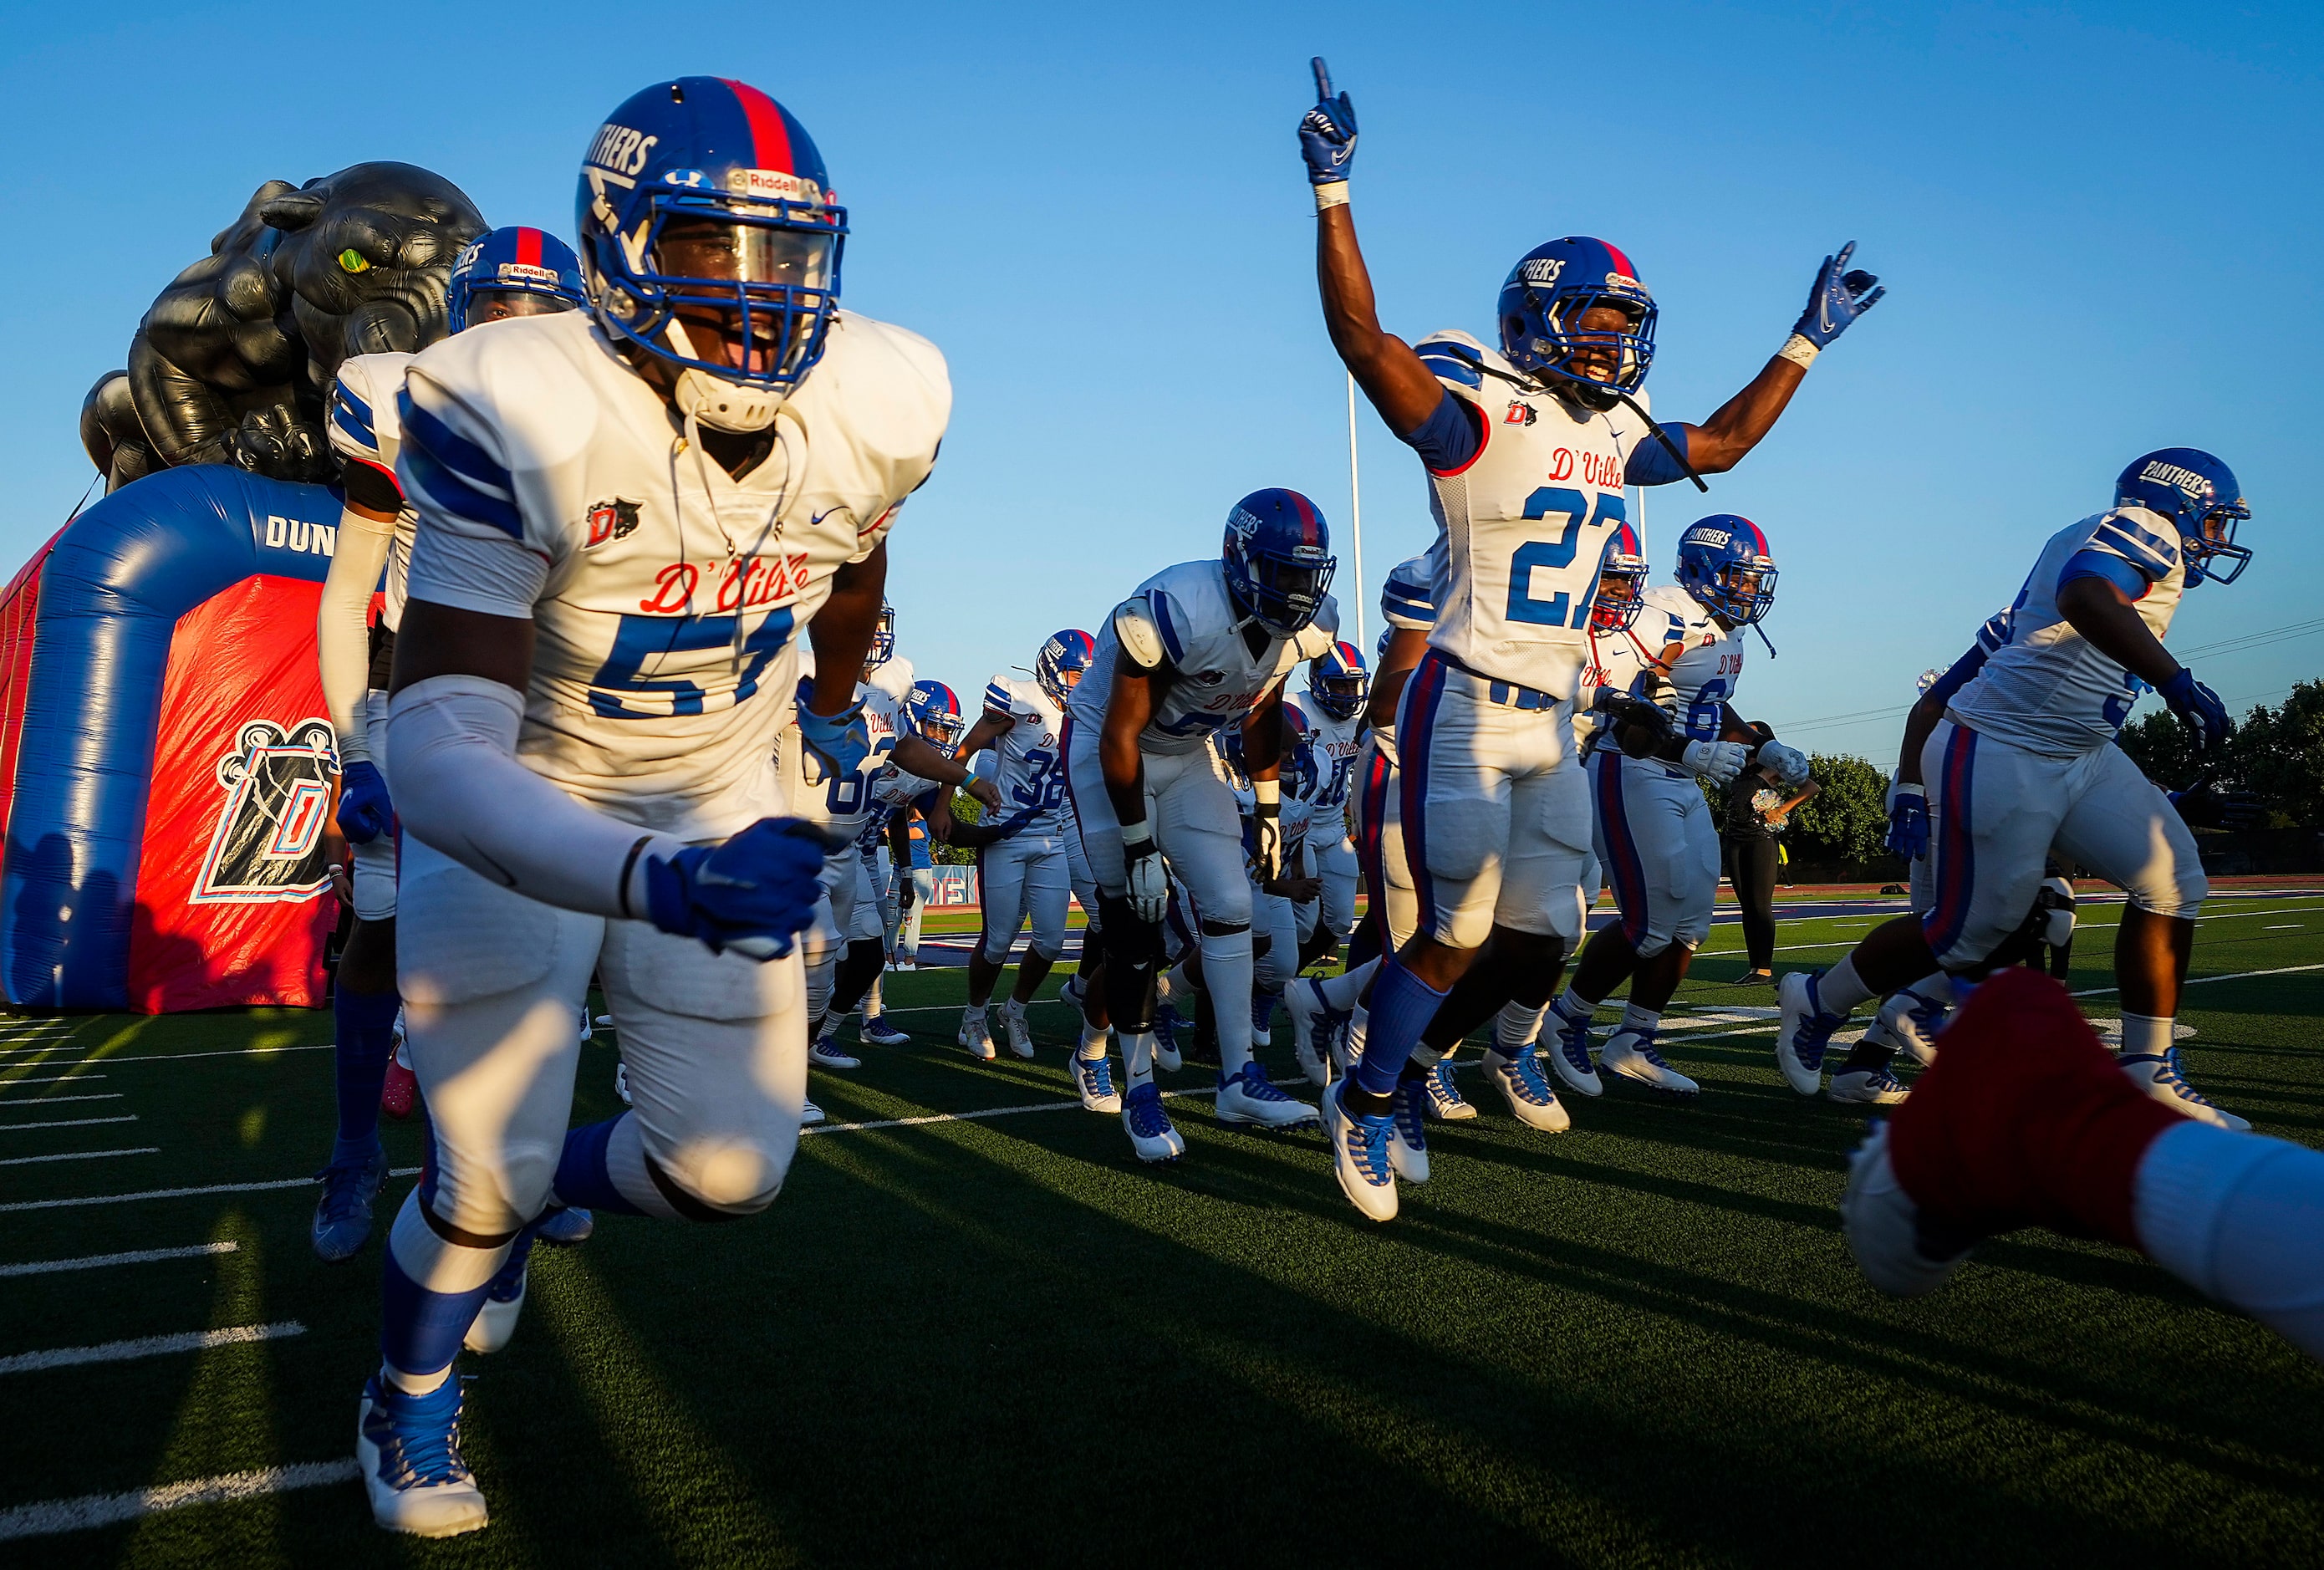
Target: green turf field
999	1340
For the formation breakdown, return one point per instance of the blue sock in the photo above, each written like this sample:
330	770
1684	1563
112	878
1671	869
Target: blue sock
1402	1006
582	1178
365	1022
421	1330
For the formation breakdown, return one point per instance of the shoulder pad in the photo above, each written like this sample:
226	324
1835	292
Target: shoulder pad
1455	357
1139	635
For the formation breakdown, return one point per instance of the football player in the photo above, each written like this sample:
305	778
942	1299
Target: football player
2025	1121
1653	829
2025	759
1495	810
627	518
508	273
1030	876
1196	646
1338	689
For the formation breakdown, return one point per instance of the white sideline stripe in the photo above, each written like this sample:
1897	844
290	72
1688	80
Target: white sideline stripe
991	1111
56	1100
166	1057
81	1156
2196	981
94	1261
55	1079
148	1346
104	1510
74	1122
180	1193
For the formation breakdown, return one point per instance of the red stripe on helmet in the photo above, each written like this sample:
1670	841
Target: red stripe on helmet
1759	539
1309	524
528	247
1621	262
770	137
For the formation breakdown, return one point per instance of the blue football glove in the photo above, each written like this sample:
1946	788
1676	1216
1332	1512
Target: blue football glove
2198	708
842	741
364	811
752	893
1327	132
1838	297
1908	823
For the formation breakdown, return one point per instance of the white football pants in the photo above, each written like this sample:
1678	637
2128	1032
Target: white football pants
1024	877
1655	839
1380	836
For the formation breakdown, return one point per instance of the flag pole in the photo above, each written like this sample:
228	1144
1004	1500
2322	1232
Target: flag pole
1356	518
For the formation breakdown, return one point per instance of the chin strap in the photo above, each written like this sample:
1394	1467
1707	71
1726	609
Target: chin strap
1672	448
1765	638
1467	357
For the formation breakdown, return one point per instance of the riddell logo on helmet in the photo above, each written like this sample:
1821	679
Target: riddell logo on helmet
1622	281
773	185
2187	480
524	273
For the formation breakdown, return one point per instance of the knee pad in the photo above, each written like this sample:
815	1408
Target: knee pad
2185	896
722	1180
996	938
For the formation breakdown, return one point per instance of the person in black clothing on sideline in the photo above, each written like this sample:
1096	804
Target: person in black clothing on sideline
1757	812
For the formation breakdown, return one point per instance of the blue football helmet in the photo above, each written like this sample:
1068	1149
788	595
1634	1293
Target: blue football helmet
1724	562
1064	659
1541	308
1338	681
1298	773
1278	559
2200	495
535	271
706	154
935	712
1621	582
883	642
1296	727
1379	650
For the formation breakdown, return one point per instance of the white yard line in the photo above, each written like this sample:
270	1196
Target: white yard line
148	1346
56	1080
168	1058
2196	981
95	1262
105	1509
73	1122
59	1100
178	1193
80	1156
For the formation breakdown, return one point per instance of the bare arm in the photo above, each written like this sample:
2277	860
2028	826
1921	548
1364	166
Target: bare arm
1920	725
1263	737
444	641
841	633
1403	391
915	754
1405	645
1128	706
2100	611
1720	442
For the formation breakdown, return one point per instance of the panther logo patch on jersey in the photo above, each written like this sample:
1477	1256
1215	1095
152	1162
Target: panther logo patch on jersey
611	519
268	844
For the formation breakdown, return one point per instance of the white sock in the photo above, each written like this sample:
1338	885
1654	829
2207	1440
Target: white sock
976	1012
1094	1042
872	1007
1340	991
1515	1028
1227	967
2144	1036
1357	1021
1937	988
1574	1006
1138	1058
1838	990
2235	1215
1642	1021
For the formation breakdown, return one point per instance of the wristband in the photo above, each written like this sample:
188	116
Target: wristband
1267	794
1134	834
1327	197
1798	351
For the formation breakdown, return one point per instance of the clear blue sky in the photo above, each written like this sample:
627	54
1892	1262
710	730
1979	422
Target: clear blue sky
2099	225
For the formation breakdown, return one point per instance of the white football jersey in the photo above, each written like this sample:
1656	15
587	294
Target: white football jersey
2048	689
1619	660
364	428
1408	598
1336	742
844	802
1218	679
1523	525
1706	674
668	597
1029	766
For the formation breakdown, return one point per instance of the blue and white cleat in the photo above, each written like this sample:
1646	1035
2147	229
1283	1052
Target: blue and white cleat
1804	1033
2160	1075
1359	1155
1150	1134
1444	1101
880	1033
1895	1252
976	1034
1250	1097
1531	1100
1408	1144
810	1115
1315	1027
343	1214
1866	1087
1631	1055
1093	1080
1020	1032
497	1316
1911	1021
566	1228
1167	1022
1570	1054
407	1448
826	1053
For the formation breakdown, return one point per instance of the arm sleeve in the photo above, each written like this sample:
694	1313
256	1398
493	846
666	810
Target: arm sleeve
1450	437
1651	463
343	627
2125	575
451	744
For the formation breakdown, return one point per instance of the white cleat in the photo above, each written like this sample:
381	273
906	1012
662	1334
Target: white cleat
1910	1022
2160	1075
826	1053
1149	1126
1093	1082
1882	1226
1531	1100
1866	1087
1569	1054
1407	1138
1445	1104
1631	1055
1802	1034
1315	1027
408	1449
1249	1097
976	1035
1021	1034
1167	1023
621	1082
586	1031
496	1321
810	1115
1360	1156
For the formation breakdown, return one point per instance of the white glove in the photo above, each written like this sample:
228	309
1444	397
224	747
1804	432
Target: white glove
1149	880
1717	762
1788	764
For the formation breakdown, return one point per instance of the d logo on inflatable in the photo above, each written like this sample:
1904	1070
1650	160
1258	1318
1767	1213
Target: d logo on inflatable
166	767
